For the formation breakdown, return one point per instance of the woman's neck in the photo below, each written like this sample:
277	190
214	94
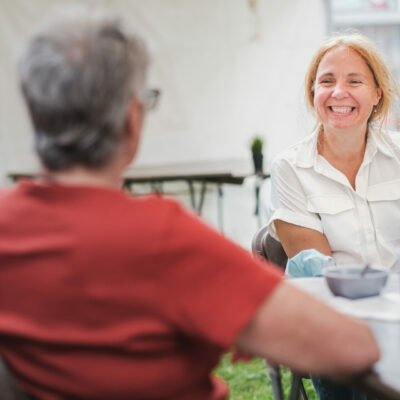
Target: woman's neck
342	144
344	150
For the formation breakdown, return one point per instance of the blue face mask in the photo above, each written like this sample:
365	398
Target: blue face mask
308	263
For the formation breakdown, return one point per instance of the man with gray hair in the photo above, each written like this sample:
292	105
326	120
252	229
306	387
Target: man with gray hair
106	296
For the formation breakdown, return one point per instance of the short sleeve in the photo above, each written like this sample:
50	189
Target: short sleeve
213	287
288	201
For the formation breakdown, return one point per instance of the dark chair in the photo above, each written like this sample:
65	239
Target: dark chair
266	247
9	389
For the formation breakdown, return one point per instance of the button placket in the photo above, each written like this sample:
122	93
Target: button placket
366	232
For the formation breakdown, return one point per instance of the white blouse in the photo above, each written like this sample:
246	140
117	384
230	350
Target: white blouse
361	225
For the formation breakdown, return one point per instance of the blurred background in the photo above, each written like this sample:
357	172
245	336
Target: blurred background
228	70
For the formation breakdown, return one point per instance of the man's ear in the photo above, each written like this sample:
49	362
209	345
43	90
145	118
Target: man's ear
133	127
134	119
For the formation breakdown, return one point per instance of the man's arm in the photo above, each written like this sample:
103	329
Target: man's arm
296	238
294	329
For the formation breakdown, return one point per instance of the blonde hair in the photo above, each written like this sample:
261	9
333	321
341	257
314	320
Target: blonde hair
366	49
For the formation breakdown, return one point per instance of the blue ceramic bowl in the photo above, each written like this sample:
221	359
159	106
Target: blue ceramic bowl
348	282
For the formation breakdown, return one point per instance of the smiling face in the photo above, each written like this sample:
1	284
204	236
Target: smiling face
345	90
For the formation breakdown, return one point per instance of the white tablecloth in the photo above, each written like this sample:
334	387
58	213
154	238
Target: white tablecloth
385	307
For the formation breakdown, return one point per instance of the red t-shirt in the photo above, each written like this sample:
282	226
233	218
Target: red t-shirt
106	296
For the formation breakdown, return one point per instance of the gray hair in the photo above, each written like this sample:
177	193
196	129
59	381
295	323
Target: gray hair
78	74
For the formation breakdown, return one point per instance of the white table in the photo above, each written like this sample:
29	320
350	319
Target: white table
383	382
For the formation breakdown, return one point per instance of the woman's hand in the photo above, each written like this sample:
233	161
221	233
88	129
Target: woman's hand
308	263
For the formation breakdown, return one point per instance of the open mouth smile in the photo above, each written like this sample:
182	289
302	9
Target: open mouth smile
341	110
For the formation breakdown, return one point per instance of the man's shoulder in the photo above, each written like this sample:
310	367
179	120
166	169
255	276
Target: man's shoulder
7	193
154	203
156	211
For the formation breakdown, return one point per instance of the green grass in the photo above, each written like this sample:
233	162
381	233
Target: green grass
250	380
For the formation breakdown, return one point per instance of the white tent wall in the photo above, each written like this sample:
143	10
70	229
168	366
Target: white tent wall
227	69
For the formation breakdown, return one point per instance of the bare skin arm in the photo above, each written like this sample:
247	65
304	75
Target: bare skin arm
296	238
294	329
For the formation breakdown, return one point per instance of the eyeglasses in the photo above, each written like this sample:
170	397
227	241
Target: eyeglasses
150	99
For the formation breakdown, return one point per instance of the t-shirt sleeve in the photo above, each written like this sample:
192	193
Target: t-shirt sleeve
288	201
213	287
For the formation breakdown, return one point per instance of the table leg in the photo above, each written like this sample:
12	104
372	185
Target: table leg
202	194
192	194
220	207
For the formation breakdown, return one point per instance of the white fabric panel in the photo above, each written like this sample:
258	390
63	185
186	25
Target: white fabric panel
225	73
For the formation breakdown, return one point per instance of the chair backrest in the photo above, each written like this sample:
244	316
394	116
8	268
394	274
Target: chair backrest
265	246
9	389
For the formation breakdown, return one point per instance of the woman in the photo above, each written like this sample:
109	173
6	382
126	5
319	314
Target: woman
338	190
